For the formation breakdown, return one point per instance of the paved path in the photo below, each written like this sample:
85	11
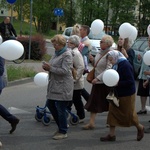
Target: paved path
31	134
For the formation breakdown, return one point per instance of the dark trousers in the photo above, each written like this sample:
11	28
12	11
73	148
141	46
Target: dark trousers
85	94
58	111
6	114
77	101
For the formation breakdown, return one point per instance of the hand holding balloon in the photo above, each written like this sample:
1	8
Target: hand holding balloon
124	52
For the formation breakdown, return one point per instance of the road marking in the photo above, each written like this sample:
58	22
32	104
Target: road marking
14	110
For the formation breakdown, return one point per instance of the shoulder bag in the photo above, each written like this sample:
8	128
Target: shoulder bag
91	74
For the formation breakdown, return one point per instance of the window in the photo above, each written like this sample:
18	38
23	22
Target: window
2	11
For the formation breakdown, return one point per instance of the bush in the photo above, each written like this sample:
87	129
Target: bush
38	46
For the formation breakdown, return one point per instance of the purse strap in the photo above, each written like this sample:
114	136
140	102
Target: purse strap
100	59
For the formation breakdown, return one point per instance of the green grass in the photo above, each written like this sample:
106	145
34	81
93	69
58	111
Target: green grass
16	73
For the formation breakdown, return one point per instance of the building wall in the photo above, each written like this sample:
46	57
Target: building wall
4	12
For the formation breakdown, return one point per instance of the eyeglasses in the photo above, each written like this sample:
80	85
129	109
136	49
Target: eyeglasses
55	44
102	42
70	43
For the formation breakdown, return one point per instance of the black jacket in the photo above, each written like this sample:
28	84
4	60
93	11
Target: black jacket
10	28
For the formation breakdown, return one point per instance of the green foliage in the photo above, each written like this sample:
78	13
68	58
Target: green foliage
112	12
16	73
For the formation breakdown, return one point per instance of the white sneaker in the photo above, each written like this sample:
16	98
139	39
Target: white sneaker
60	136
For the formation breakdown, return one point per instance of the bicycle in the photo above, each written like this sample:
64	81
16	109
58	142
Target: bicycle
21	59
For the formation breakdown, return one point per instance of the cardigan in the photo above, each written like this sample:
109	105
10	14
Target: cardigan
126	84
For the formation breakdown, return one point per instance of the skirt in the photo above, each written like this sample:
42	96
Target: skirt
124	115
97	102
141	90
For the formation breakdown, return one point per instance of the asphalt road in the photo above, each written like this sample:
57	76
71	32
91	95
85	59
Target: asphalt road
22	100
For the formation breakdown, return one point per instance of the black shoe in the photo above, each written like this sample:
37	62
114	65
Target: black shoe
142	112
108	138
14	125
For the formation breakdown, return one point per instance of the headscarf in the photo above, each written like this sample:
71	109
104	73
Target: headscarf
117	56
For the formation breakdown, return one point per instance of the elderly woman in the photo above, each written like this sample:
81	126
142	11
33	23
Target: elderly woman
78	63
60	86
97	102
124	115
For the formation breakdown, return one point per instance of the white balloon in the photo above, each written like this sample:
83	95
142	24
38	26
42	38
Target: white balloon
133	34
148	30
97	26
41	79
146	58
11	49
110	77
125	30
1	39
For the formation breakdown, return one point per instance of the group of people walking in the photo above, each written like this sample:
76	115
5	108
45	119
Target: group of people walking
63	90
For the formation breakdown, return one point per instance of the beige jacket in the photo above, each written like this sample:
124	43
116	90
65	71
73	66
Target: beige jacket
79	66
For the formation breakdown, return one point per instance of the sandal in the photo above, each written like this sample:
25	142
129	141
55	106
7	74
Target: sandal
88	127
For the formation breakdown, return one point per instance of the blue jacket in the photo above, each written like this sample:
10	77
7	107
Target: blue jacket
2	84
126	84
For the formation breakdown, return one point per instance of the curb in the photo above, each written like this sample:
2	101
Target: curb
21	81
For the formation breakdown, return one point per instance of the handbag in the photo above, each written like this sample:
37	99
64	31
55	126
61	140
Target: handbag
113	99
91	74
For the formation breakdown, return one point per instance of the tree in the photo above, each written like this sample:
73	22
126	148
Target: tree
123	11
70	13
144	17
